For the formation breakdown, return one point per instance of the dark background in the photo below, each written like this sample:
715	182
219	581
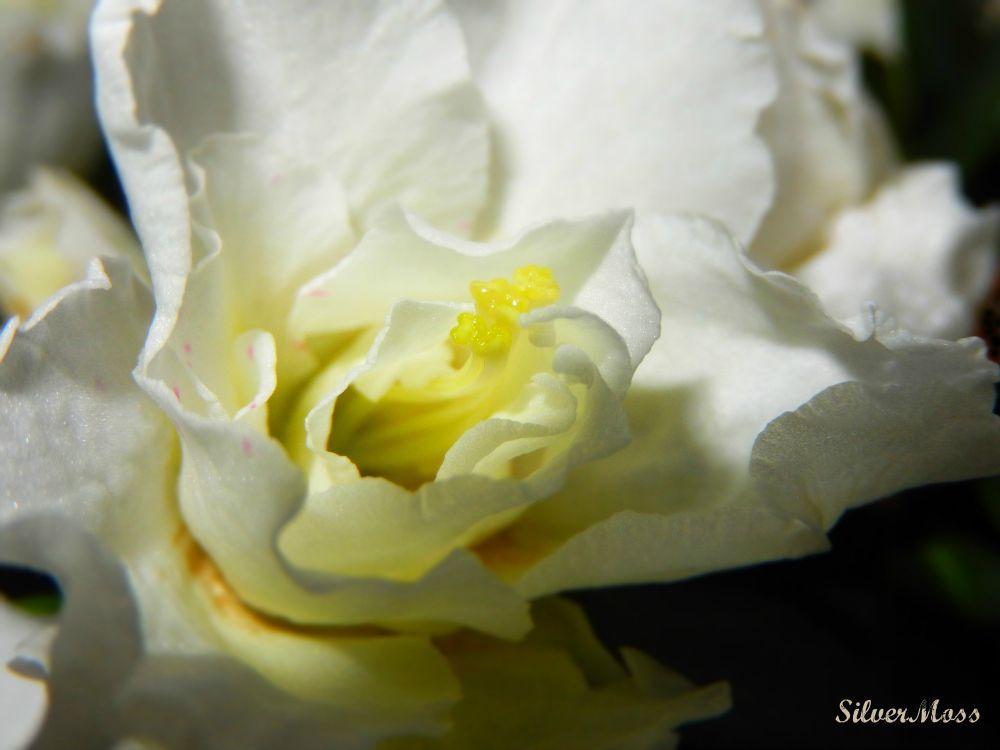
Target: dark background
907	605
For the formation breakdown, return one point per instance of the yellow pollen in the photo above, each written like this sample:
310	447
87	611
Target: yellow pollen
499	303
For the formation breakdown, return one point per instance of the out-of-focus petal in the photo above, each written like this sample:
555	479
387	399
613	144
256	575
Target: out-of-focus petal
560	688
49	233
46	88
873	24
107	682
917	249
826	138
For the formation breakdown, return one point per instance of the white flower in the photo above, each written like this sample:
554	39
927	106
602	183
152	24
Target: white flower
364	430
46	110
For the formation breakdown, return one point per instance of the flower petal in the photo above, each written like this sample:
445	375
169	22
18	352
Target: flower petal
560	688
108	682
874	24
929	421
66	379
740	348
592	260
599	109
66	390
376	93
369	526
826	138
49	232
22	700
238	489
277	222
98	642
917	249
46	103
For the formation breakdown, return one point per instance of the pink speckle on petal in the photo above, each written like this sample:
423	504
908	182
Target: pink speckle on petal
99	385
187	347
300	345
247	447
253	405
317	292
177	392
250	352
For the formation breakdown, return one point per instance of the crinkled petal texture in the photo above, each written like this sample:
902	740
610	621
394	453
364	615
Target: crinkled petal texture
916	248
339	459
374	94
153	645
596	108
152	642
827	141
560	689
756	420
49	232
403	125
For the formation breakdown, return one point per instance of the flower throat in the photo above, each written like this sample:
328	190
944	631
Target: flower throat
403	436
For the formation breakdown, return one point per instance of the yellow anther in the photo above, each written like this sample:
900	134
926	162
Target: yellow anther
499	302
481	335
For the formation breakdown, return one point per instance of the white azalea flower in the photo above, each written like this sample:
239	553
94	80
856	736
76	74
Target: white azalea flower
46	110
353	429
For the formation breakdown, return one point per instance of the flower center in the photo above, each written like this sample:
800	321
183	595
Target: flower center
498	304
403	433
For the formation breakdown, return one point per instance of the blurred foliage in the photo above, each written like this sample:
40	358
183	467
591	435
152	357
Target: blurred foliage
942	94
29	590
965	567
942	99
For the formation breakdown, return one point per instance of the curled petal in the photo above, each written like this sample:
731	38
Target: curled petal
826	139
50	231
107	683
740	348
561	688
592	260
917	249
331	83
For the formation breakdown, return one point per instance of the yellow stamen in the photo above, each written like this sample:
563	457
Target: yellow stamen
499	303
